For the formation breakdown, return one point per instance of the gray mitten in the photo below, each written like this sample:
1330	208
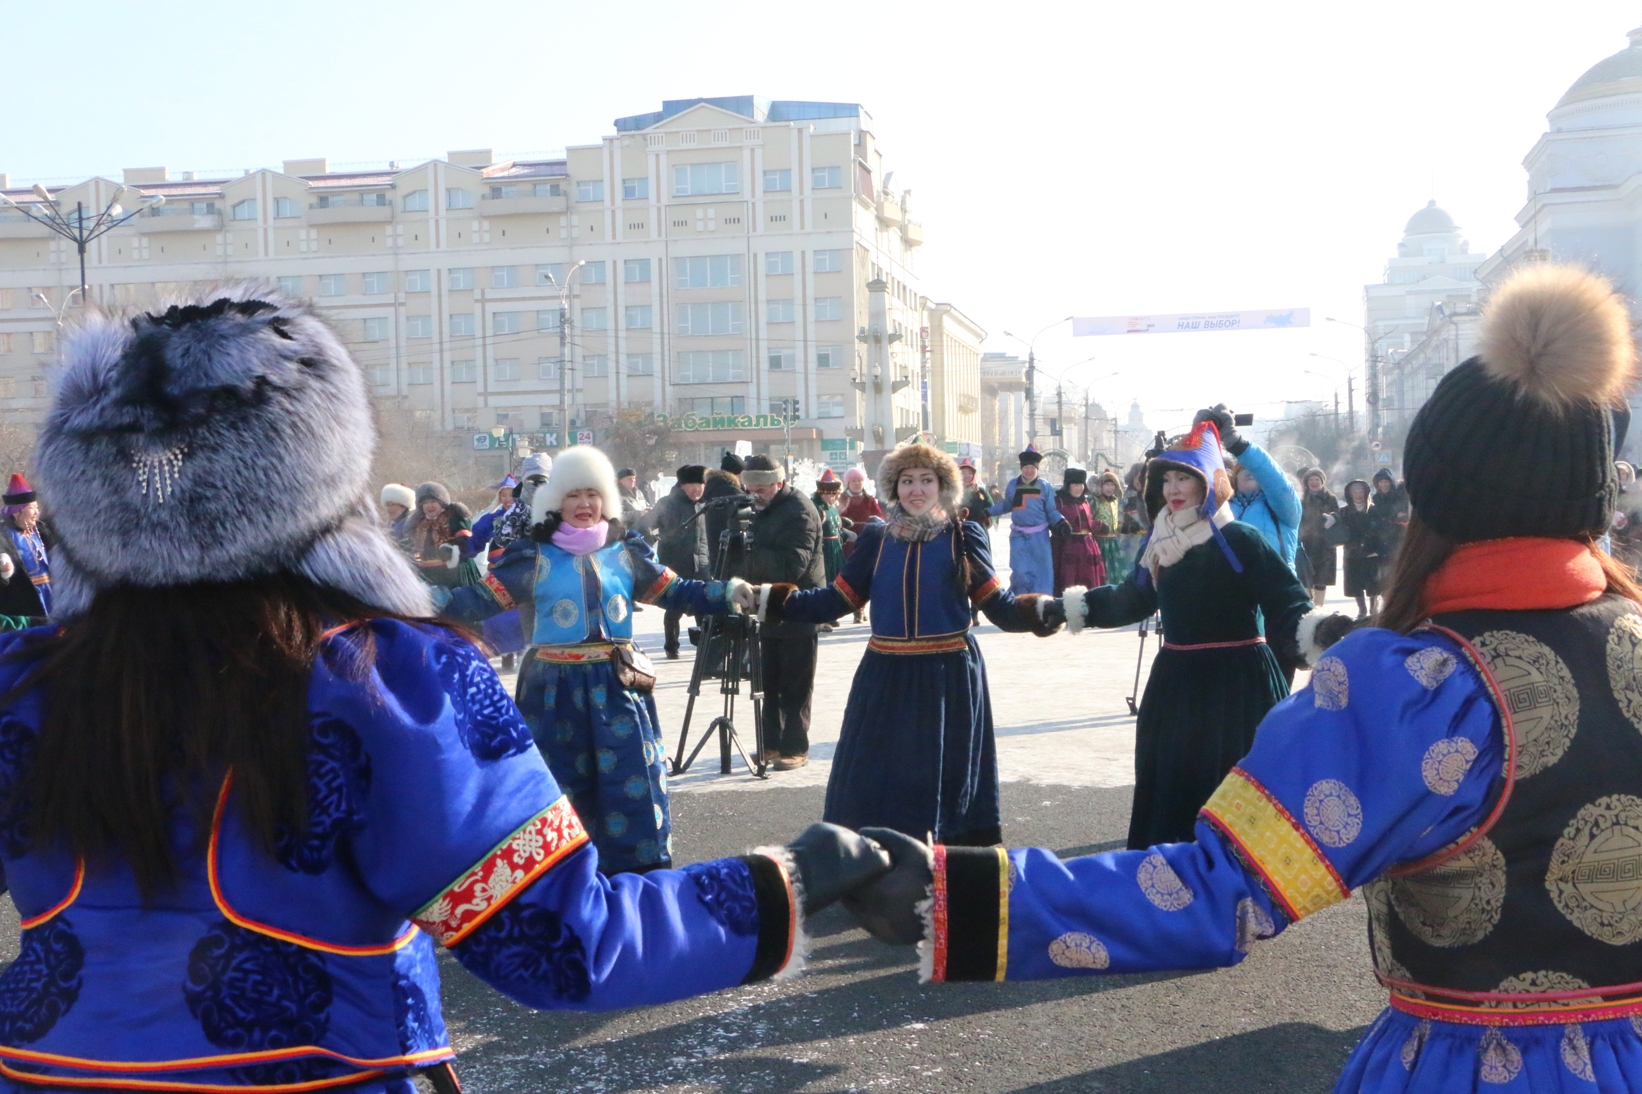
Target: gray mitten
831	861
887	909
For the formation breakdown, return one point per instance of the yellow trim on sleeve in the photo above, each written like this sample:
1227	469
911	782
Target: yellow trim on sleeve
1295	871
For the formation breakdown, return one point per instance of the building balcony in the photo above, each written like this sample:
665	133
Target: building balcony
890	213
175	219
18	227
501	207
337	213
913	232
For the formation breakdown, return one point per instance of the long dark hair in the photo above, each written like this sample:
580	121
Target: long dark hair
1423	553
152	695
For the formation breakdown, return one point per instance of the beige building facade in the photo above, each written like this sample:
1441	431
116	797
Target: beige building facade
715	258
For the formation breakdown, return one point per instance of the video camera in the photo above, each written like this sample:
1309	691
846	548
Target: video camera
731	501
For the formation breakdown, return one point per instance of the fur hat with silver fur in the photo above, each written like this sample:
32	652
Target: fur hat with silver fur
156	417
580	467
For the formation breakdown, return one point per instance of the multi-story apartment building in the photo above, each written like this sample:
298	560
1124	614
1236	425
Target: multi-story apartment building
721	261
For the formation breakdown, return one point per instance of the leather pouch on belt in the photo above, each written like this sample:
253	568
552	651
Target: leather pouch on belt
634	670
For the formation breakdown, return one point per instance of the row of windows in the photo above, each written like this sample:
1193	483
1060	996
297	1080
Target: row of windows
705	272
721	317
827	406
694	367
691	180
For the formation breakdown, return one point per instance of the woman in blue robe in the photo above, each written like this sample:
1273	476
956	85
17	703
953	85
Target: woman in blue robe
916	750
578	575
1033	519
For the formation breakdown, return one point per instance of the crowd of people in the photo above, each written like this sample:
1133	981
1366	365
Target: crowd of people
261	755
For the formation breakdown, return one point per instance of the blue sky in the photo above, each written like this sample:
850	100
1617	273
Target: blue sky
1095	158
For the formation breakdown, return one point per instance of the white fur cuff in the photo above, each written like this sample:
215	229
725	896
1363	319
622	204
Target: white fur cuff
736	592
1076	608
1305	635
800	948
763	602
926	948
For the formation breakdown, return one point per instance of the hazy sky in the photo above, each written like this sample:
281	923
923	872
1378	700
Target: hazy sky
1089	158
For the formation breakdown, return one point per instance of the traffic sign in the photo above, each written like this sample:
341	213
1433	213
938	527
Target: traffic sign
1383	459
1375	445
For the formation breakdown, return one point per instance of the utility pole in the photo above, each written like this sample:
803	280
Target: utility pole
1060	412
76	229
564	350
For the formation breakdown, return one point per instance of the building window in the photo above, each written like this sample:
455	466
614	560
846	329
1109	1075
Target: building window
596	365
638	316
590	190
635	189
829	406
595	273
506	322
777	181
379	200
459	199
461	278
721	317
40	341
635	270
826	178
285	208
419	374
464	372
547	319
694	179
708	272
711	366
375	284
547	190
418	280
595	319
416	201
291	286
375	329
333	284
778	262
779	311
418	326
503	192
828	307
829	357
461	421
784	359
461	325
641	364
550	273
547	368
713	404
503	277
244	210
547	419
380	375
829	261
507	368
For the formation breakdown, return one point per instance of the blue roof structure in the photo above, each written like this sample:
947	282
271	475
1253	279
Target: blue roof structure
747	106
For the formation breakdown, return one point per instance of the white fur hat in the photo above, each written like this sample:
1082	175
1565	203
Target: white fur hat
581	467
397	493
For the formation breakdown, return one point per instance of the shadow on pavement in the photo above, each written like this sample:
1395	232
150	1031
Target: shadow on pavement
1294	1058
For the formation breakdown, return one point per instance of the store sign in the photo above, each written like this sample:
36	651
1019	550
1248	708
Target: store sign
1286	319
702	422
484	441
584	436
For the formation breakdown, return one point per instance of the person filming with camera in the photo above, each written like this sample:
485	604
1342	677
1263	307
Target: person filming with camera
785	548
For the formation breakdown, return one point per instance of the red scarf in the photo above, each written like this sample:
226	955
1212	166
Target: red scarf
1520	574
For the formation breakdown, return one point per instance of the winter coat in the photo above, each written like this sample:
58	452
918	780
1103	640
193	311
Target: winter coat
429	537
977	500
1315	509
720	484
1078	558
856	511
681	536
1392	510
20	596
786	548
1274	510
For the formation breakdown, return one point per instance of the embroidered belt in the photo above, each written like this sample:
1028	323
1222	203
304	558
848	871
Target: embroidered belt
1214	645
944	644
1083	533
1028	529
40	579
577	654
1522	1010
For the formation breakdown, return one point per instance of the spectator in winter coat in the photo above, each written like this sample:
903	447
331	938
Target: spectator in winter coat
724	482
1264	498
634	502
1318	513
1078	560
856	510
1391	507
1365	536
397	502
681	540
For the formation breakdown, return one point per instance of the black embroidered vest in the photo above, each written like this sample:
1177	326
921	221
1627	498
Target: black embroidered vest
1541	908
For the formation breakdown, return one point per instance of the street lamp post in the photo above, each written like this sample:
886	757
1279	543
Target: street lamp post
1371	382
1351	401
564	348
1031	376
76	229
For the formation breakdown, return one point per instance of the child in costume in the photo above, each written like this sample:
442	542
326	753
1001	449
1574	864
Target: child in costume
1474	765
1033	519
827	488
916	750
248	787
1106	507
581	686
484	526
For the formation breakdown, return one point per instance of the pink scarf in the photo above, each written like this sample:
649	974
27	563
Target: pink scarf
581	541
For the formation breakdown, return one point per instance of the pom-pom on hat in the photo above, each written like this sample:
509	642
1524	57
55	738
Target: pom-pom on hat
580	467
1031	456
397	493
909	456
828	482
18	492
1519	440
731	463
692	474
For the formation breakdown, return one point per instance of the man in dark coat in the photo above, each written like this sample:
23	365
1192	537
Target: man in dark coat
723	483
681	538
786	547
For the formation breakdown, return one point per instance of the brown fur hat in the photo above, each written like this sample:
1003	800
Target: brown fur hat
918	454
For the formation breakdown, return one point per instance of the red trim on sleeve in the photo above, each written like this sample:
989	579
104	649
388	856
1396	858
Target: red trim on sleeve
499	591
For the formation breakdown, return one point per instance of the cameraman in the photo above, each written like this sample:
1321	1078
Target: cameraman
724	482
681	539
786	547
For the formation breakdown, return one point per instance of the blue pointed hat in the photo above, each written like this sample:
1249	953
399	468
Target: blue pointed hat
1197	453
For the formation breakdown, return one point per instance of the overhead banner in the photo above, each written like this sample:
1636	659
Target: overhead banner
1184	324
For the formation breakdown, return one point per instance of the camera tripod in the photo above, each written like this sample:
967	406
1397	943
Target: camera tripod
1145	624
729	653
